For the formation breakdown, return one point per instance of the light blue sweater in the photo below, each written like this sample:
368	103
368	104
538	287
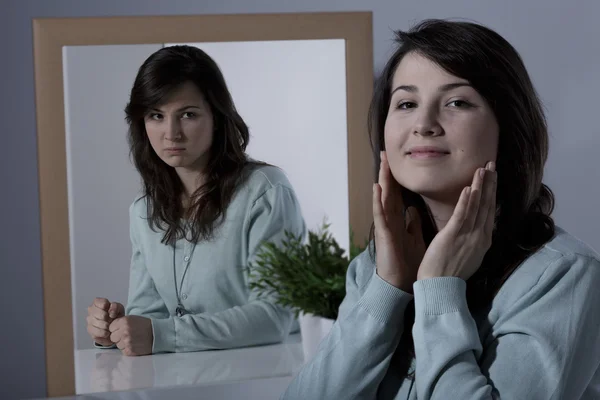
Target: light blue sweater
540	339
211	278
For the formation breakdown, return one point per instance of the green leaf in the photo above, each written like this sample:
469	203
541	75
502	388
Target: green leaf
303	276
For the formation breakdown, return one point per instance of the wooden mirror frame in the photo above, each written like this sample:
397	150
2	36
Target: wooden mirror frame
51	34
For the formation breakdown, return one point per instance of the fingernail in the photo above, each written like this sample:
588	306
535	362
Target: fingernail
492	166
482	172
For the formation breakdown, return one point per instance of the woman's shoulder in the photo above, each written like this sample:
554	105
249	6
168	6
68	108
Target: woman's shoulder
563	260
267	175
139	206
260	178
565	244
562	251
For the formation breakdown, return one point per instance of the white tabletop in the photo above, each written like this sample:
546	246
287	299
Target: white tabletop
255	389
100	370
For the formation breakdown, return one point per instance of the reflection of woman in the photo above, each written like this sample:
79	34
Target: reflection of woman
471	291
205	210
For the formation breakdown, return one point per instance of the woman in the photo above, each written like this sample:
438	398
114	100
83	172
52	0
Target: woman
206	209
471	292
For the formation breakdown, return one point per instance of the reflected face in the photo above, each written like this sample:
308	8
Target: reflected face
181	130
438	130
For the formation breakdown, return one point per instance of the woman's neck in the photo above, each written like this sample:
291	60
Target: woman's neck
441	211
191	180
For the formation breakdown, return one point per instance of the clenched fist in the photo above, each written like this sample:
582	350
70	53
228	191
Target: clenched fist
100	315
132	335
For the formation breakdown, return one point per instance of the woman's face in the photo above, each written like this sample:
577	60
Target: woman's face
181	130
438	130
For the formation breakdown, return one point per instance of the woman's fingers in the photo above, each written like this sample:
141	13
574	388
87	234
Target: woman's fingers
99	308
378	214
491	214
98	313
382	176
97	333
476	206
100	324
460	211
116	310
465	210
115	337
120	345
486	198
102	303
475	199
384	183
98	321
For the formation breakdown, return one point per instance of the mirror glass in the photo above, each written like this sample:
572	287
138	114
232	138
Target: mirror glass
291	94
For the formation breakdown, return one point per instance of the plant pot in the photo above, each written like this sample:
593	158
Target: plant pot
313	330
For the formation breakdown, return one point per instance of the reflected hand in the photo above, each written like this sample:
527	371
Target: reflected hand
100	314
132	373
399	241
132	335
458	249
101	373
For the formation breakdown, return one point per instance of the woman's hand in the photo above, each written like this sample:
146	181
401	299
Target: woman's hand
132	335
100	314
458	249
399	241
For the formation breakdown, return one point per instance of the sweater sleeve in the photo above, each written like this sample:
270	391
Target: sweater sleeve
143	299
353	359
544	346
257	322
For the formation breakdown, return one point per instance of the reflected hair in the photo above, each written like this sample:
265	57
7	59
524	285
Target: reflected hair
159	76
524	204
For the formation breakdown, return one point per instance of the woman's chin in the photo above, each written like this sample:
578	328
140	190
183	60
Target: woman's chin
436	193
175	162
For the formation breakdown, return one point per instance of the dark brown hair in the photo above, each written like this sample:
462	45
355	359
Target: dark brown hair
524	204
162	73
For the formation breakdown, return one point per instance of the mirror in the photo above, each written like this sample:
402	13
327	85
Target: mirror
301	82
292	94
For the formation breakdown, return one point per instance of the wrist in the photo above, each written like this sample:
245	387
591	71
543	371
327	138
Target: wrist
422	277
397	280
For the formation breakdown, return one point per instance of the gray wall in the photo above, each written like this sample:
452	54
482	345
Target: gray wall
558	41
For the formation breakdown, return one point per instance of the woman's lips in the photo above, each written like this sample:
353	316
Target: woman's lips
427	152
175	150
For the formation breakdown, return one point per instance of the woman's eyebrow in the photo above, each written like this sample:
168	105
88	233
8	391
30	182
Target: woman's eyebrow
179	109
444	88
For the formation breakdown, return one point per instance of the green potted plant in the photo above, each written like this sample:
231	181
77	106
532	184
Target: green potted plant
306	275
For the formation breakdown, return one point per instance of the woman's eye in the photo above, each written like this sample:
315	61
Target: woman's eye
459	103
406	105
188	115
156	117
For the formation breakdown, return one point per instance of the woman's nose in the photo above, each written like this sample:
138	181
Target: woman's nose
427	124
173	130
